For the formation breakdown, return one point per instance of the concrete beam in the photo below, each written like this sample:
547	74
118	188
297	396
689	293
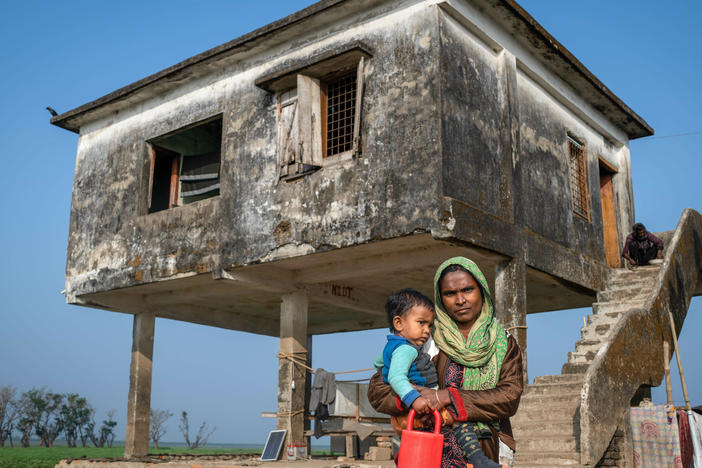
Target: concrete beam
229	319
139	401
336	294
292	378
347	297
405	260
360	323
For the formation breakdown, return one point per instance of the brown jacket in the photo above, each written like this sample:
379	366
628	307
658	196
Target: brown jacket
496	404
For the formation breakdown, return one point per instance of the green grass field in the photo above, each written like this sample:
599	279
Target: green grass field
42	457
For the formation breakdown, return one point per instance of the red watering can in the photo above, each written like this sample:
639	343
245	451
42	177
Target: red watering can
421	449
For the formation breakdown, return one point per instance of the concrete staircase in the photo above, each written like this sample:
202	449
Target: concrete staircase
547	425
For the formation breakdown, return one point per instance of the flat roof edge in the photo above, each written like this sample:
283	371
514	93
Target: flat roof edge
644	129
64	120
638	127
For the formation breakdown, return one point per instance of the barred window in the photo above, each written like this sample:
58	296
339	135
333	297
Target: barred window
340	112
578	177
319	120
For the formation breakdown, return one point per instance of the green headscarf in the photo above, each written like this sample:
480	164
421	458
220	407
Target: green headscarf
483	351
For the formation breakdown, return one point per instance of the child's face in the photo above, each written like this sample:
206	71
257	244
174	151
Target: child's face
415	324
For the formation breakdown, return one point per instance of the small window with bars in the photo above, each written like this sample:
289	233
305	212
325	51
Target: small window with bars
339	112
578	177
319	121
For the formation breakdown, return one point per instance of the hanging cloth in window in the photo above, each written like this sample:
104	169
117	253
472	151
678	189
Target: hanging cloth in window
199	174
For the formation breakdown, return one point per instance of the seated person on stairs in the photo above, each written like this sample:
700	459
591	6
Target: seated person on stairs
641	246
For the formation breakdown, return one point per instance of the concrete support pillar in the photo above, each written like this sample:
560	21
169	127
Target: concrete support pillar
292	378
139	402
511	301
308	393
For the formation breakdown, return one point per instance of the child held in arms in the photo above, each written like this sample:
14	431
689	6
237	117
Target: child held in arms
406	364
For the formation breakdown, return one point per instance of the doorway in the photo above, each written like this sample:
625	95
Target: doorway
609	218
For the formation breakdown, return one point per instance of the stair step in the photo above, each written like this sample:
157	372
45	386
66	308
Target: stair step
565	398
534	428
553	388
538	464
602	318
544	412
524	459
642	271
584	346
575	357
572	368
616	306
596	331
548	442
623	294
558	378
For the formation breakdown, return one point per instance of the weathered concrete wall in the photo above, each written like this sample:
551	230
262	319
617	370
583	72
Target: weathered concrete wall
544	171
456	141
390	191
505	156
472	108
634	354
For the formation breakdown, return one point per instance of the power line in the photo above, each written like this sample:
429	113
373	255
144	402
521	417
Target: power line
675	135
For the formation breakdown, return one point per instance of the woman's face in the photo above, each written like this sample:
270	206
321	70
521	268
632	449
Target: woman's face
462	299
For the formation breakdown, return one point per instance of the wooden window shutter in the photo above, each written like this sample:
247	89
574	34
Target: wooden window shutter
288	132
357	116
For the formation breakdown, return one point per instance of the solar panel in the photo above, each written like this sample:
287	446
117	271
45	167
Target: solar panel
273	445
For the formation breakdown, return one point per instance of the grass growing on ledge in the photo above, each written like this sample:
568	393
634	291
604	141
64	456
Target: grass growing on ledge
42	457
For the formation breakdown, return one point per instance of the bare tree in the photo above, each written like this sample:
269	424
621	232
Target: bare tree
158	424
203	432
8	413
106	433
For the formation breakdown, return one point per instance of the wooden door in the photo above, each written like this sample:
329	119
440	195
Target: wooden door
609	219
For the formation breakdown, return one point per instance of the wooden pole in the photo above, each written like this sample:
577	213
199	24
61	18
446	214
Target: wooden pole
677	355
666	367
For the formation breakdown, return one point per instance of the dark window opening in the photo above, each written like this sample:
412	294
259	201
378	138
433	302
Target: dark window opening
185	165
578	177
340	110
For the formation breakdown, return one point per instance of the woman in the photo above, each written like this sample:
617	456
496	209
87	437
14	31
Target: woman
479	365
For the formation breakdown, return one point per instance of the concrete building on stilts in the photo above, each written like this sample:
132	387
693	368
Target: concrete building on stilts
286	182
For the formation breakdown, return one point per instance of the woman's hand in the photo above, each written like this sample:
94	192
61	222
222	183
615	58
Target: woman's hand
438	399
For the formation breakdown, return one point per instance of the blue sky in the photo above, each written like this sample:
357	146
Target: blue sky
64	54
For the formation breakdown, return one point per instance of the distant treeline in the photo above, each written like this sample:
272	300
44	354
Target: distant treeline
45	414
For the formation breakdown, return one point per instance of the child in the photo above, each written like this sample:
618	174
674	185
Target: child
411	316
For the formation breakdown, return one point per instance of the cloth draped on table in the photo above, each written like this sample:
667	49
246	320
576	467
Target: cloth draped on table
322	395
656	438
483	351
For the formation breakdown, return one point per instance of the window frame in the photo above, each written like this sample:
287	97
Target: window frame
581	174
311	114
175	198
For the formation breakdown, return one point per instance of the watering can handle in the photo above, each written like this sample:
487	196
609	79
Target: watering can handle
437	420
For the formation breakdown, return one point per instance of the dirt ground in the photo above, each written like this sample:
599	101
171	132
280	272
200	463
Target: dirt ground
222	461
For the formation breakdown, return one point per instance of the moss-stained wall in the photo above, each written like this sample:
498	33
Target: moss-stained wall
390	191
544	171
446	119
472	108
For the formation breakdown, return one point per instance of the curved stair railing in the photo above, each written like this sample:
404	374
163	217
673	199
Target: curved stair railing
633	354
